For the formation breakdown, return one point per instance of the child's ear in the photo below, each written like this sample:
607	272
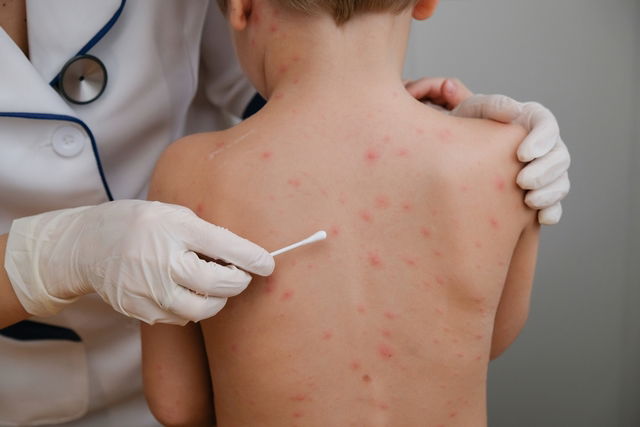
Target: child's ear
239	12
424	9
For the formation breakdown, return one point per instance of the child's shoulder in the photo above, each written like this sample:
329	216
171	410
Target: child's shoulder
179	165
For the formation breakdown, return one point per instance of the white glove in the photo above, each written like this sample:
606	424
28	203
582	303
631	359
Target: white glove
546	174
139	256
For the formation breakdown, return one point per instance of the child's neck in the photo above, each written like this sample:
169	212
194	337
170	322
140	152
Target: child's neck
312	59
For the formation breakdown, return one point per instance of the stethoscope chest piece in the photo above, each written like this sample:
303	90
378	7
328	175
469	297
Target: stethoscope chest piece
83	79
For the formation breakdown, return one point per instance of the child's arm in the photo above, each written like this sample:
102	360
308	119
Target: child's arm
513	309
175	373
177	382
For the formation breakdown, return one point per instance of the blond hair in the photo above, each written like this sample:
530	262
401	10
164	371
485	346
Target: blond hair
340	10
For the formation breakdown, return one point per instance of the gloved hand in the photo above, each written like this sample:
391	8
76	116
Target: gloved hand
139	256
546	174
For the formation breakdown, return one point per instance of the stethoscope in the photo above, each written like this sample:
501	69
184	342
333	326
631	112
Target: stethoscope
83	79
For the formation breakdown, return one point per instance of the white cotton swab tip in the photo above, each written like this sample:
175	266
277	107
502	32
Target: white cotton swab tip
320	235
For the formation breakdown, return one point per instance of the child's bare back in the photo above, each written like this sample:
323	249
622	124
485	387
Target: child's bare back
393	319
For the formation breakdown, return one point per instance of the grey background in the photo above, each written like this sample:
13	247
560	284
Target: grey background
577	362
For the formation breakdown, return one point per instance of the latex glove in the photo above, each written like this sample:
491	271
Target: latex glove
139	256
546	174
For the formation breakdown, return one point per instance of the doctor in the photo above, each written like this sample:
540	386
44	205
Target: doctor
91	92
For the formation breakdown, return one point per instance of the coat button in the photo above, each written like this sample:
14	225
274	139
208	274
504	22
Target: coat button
67	141
83	79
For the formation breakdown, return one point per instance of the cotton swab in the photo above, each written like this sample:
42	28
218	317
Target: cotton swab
320	235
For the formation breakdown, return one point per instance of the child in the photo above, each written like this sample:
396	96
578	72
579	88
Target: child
428	267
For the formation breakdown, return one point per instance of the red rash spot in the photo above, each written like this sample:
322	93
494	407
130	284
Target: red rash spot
464	188
439	280
479	337
382	202
296	81
385	351
374	259
371	155
460	355
361	309
402	152
283	69
300	397
478	245
445	135
407	207
437	253
436	341
199	209
366	216
439	311
426	232
355	365
287	295
295	183
420	131
366	378
273	28
478	358
296	58
253	42
386	333
234	348
389	315
270	285
499	183
411	262
297	415
326	335
383	406
278	95
334	231
453	415
266	155
494	223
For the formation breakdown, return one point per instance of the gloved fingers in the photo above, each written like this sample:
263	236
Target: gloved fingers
494	107
444	92
193	307
550	215
208	278
145	309
544	132
549	195
546	169
219	243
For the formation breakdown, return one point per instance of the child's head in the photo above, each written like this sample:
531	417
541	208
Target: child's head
266	31
343	10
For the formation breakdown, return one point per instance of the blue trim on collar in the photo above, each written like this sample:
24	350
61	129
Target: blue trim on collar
95	39
62	117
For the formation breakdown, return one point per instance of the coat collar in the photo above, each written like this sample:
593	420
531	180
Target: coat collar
22	88
59	30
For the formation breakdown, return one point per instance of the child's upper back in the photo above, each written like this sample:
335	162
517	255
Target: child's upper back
391	318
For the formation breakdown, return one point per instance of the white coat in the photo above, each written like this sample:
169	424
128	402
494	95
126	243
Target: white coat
171	71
